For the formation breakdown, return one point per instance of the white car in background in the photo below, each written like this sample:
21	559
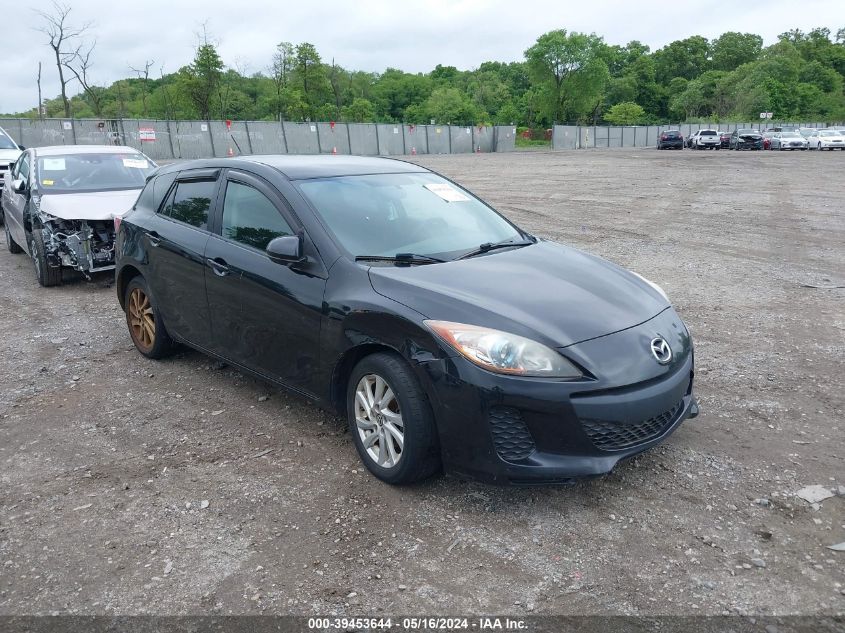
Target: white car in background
9	152
60	204
826	139
706	139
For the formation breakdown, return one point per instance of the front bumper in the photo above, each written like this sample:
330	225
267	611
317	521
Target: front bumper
526	431
749	144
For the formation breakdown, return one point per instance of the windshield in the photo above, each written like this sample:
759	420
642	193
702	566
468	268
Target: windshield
84	172
828	133
748	132
386	214
6	142
790	135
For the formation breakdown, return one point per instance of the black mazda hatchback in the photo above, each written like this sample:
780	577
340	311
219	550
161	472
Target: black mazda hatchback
448	336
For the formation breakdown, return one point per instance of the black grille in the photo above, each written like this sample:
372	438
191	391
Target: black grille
614	436
511	437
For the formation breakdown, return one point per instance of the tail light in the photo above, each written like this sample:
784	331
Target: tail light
662	137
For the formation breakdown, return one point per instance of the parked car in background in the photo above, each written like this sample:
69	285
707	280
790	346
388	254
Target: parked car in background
768	135
9	152
826	139
807	131
706	139
724	140
746	139
60	205
670	139
789	140
364	284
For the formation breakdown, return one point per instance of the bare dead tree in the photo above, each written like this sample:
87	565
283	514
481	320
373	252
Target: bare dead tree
61	37
145	75
79	64
165	92
40	101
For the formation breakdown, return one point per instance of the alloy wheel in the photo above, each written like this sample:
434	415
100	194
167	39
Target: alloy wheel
378	420
141	319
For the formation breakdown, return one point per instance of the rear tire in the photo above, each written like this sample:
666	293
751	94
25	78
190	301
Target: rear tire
384	401
146	327
10	243
46	274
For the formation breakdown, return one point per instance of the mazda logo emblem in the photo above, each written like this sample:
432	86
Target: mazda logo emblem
661	350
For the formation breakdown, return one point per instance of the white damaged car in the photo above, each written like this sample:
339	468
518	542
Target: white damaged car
60	203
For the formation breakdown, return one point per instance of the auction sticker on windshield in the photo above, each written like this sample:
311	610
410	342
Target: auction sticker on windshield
448	193
54	164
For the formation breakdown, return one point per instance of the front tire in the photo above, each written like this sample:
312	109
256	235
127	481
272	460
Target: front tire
146	327
391	420
10	243
46	274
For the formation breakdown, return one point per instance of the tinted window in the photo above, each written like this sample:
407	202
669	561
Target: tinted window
161	184
671	134
250	218
190	202
708	133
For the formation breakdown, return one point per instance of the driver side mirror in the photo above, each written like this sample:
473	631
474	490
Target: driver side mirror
285	250
19	185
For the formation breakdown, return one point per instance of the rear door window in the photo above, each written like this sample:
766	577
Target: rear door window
190	201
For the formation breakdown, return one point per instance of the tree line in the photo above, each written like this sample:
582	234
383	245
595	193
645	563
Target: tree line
564	77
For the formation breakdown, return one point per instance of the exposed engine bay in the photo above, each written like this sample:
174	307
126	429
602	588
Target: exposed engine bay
84	245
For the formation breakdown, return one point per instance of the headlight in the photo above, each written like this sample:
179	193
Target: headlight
502	352
652	284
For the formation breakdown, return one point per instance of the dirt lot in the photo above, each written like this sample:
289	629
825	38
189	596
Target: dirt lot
131	486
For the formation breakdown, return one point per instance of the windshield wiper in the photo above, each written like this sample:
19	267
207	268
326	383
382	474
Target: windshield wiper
490	246
401	258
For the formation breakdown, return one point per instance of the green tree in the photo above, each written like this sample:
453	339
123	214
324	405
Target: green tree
731	50
312	78
359	111
685	58
202	78
555	62
627	113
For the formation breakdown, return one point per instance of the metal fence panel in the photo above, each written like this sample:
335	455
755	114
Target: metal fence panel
334	139
614	136
505	136
363	139
302	138
438	139
156	140
229	142
460	139
391	139
652	133
565	137
482	138
192	139
416	140
266	137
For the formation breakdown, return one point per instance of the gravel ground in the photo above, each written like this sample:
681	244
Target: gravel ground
131	486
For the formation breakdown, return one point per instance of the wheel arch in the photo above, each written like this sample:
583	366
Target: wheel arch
346	363
126	274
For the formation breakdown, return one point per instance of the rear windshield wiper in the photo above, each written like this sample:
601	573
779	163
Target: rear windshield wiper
401	258
490	246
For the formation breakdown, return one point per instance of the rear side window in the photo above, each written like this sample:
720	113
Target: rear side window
160	185
190	201
250	218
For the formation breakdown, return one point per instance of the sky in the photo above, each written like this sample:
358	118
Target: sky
370	35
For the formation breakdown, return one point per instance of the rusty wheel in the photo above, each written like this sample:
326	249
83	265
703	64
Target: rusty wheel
142	325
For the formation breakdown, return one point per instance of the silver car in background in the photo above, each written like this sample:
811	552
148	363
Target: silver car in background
9	152
60	205
789	140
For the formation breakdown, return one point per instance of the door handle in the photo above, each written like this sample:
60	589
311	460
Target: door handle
155	238
219	266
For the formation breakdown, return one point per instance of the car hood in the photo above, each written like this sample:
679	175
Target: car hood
549	292
98	205
8	156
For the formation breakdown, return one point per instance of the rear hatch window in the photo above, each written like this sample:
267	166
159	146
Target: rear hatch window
707	133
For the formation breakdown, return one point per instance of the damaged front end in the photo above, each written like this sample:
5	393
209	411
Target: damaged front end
83	245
